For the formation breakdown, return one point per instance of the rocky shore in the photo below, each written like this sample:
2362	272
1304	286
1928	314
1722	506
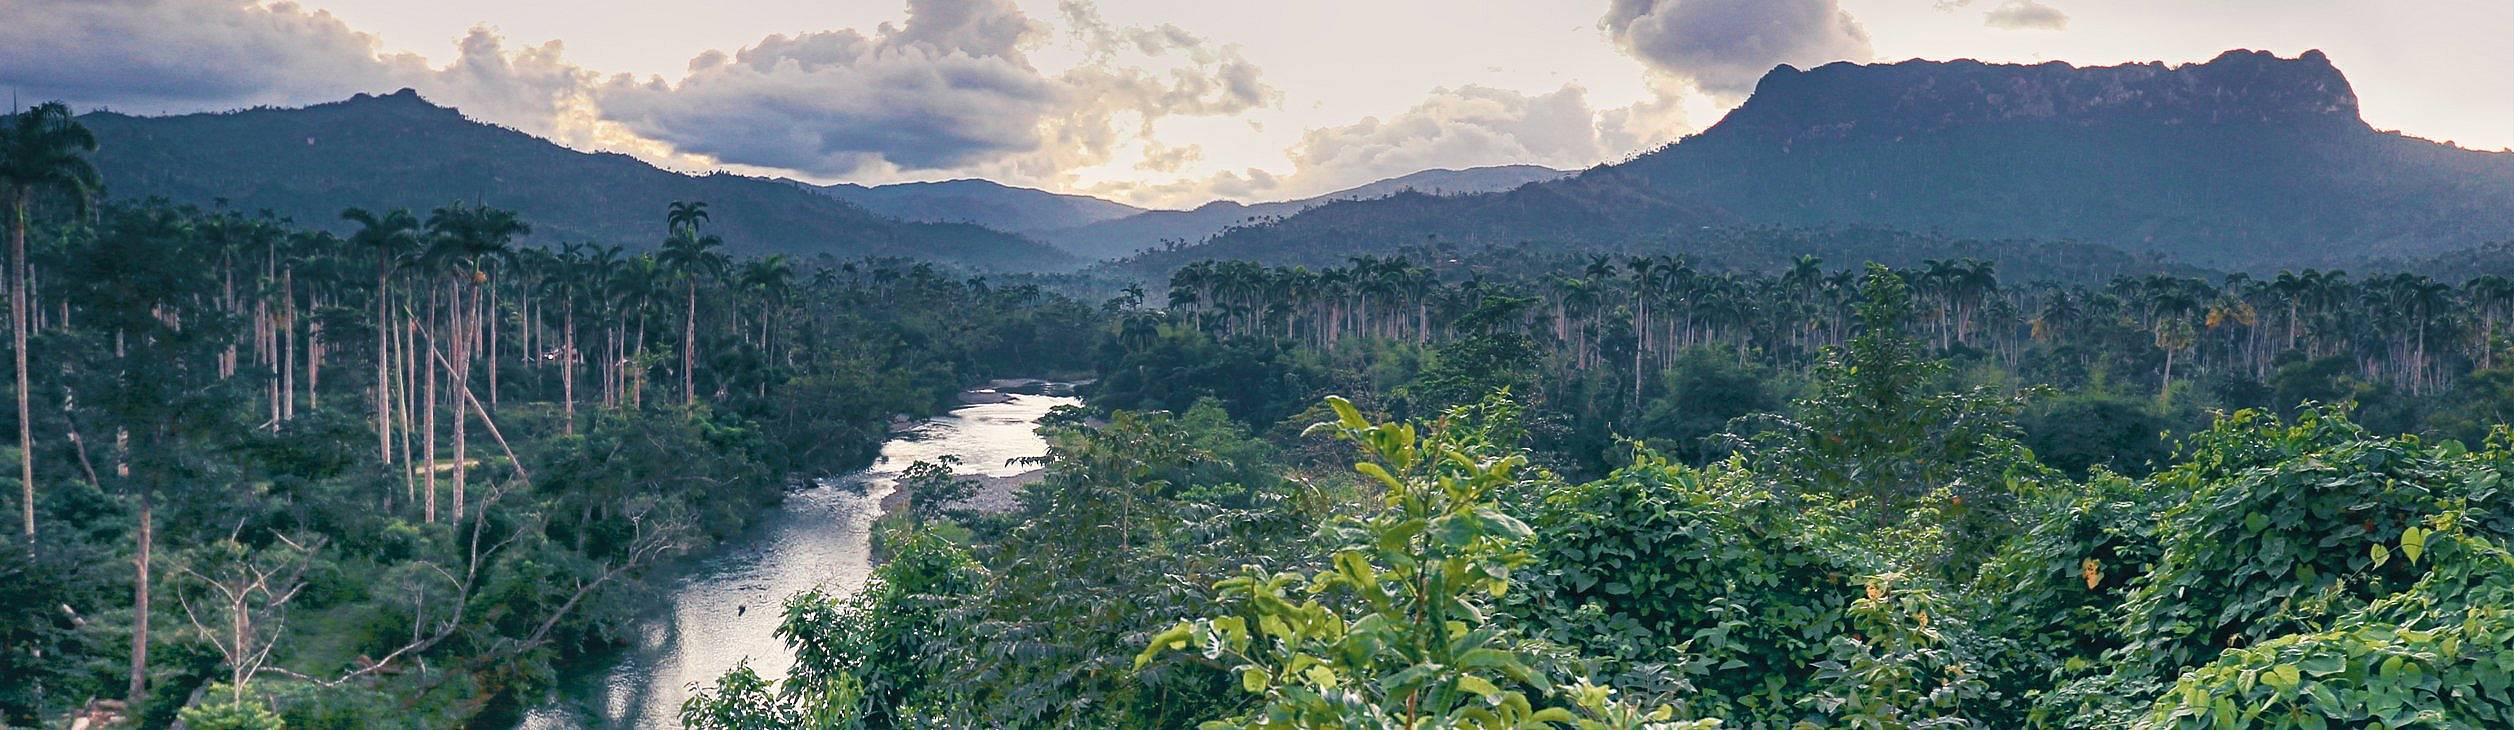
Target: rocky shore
995	494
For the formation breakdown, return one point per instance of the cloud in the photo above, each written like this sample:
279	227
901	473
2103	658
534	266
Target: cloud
1723	46
1462	127
1467	126
2026	15
950	89
153	54
174	55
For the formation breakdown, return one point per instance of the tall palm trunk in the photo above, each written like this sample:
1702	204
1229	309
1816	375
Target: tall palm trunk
689	348
491	322
428	432
404	393
139	599
383	363
459	394
18	200
567	366
2168	388
284	329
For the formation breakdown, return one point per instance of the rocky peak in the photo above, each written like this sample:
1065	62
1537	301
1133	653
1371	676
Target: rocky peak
2237	88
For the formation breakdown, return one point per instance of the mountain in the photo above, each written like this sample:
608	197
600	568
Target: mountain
2247	162
986	203
1152	229
398	150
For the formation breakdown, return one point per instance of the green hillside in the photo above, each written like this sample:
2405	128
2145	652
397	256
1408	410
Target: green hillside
398	150
2248	161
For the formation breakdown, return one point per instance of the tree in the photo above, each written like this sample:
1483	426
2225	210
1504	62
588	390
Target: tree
1404	637
154	379
41	150
391	235
690	256
466	237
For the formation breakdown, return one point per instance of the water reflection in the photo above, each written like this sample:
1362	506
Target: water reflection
725	609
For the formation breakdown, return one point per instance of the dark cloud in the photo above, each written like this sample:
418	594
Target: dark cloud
2026	15
833	102
1724	46
156	54
950	88
185	55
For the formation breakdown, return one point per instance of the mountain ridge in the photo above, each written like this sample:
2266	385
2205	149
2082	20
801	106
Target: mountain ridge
400	150
2246	161
1122	236
983	202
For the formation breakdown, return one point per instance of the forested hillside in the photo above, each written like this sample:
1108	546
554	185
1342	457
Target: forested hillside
1919	396
1163	229
307	164
401	477
994	205
1635	495
2248	161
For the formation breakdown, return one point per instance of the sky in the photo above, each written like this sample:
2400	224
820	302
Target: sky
1171	104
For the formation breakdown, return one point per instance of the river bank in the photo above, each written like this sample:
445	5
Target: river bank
724	609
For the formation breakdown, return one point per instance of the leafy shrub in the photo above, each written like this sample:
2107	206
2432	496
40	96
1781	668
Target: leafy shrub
1398	633
1658	563
2262	549
2440	654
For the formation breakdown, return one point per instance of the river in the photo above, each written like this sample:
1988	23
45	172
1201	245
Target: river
725	606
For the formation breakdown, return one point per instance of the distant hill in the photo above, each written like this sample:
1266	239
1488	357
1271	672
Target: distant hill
983	202
2248	161
1153	229
398	150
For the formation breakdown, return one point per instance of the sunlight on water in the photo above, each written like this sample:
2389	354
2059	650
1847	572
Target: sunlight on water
726	608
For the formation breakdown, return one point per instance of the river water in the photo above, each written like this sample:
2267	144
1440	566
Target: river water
725	606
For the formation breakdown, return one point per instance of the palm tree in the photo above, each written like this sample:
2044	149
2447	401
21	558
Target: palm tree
563	279
689	256
467	236
2489	294
684	215
772	279
41	149
390	235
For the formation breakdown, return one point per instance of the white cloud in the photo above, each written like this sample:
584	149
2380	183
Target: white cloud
949	89
1464	127
1467	126
1723	46
2026	15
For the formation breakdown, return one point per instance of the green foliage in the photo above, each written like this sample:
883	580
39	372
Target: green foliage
1932	467
2439	654
2077	432
1704	389
1897	669
860	660
1151	365
2048	603
1495	356
1418	646
1877	429
1036	625
1707	571
220	369
2283	529
933	488
231	716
